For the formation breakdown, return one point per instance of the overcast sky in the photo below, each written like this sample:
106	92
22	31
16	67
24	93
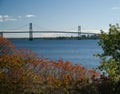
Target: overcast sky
59	14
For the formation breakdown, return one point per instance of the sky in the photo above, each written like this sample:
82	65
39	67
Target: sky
59	14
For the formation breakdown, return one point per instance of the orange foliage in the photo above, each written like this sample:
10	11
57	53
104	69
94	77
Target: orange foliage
6	47
21	70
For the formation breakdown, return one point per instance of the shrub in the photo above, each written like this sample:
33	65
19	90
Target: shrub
22	71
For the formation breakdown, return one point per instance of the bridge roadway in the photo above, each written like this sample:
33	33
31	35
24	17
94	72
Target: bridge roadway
25	31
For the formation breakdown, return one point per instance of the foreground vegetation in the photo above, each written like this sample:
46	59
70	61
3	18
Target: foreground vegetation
23	72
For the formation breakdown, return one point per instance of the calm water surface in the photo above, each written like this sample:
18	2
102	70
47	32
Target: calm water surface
75	51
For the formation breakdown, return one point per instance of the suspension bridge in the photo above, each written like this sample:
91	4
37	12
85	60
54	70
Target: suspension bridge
31	32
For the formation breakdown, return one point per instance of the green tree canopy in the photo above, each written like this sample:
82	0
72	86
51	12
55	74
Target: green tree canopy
110	43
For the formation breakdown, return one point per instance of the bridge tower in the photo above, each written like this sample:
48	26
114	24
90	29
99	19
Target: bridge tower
30	32
1	34
79	32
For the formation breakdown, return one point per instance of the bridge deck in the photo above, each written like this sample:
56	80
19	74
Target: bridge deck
47	32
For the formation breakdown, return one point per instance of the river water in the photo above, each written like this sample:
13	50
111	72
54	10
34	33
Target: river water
75	51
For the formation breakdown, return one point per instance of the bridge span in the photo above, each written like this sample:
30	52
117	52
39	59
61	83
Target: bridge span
31	31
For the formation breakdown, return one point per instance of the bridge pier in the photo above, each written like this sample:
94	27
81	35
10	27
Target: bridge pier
30	32
79	32
1	34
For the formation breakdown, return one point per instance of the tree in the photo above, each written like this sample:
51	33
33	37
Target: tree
6	47
110	58
16	69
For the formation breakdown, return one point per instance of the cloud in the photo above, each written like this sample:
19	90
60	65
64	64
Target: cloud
11	19
6	18
29	16
19	17
115	8
1	18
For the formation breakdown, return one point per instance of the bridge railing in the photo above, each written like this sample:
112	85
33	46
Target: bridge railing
44	32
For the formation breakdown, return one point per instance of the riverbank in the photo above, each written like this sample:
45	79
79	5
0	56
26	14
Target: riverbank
83	37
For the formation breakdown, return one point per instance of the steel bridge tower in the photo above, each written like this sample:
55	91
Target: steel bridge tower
79	32
1	34
30	32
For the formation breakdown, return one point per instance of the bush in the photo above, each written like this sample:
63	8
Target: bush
23	72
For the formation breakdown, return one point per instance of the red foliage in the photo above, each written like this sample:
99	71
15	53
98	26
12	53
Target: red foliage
21	70
6	47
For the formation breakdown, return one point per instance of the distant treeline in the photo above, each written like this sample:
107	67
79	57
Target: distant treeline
74	38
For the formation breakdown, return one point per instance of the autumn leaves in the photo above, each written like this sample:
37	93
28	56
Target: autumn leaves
23	71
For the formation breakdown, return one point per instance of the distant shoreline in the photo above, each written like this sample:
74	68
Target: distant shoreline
61	38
